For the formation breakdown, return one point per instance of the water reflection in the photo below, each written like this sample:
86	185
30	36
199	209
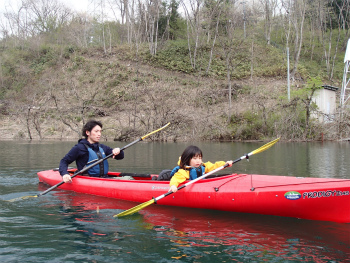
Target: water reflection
68	227
245	235
203	235
329	159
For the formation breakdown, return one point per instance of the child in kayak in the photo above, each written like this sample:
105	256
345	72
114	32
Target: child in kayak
192	167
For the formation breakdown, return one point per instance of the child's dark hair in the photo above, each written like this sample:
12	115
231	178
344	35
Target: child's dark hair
89	126
188	154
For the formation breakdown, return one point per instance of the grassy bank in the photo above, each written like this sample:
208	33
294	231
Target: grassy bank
49	92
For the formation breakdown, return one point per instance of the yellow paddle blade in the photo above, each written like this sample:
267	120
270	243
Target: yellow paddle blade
264	147
135	209
166	125
21	198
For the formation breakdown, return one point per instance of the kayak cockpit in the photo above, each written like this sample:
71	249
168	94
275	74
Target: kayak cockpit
162	176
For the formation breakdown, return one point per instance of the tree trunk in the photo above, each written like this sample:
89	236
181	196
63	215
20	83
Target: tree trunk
299	26
28	124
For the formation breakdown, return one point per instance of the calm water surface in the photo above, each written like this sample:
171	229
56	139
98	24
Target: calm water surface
63	226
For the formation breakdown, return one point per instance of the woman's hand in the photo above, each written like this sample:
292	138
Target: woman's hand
67	179
173	189
116	151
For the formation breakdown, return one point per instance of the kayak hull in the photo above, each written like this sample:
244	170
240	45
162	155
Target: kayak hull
324	199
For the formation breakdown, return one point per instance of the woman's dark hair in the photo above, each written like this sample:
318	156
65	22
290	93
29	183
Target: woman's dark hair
188	154
89	126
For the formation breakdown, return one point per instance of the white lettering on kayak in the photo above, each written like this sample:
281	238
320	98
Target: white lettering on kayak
327	193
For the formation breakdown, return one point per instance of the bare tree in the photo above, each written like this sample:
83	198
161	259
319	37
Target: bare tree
122	5
153	8
232	43
16	22
37	17
47	15
78	32
213	13
298	18
294	27
269	11
344	11
193	17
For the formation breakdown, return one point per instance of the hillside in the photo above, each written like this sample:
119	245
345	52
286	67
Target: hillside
217	70
54	92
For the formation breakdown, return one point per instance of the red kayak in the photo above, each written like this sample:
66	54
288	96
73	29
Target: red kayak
324	199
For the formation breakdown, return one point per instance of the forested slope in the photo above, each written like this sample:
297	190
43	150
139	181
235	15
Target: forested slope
212	74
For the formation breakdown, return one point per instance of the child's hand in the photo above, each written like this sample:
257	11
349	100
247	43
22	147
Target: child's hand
173	189
229	163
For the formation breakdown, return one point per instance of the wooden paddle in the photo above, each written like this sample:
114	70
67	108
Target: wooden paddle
89	166
154	200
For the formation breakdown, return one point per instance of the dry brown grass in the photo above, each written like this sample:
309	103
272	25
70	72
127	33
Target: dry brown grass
132	98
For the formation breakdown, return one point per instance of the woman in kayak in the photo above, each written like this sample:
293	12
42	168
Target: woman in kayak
192	167
89	150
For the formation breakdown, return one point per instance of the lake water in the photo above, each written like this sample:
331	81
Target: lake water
63	226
